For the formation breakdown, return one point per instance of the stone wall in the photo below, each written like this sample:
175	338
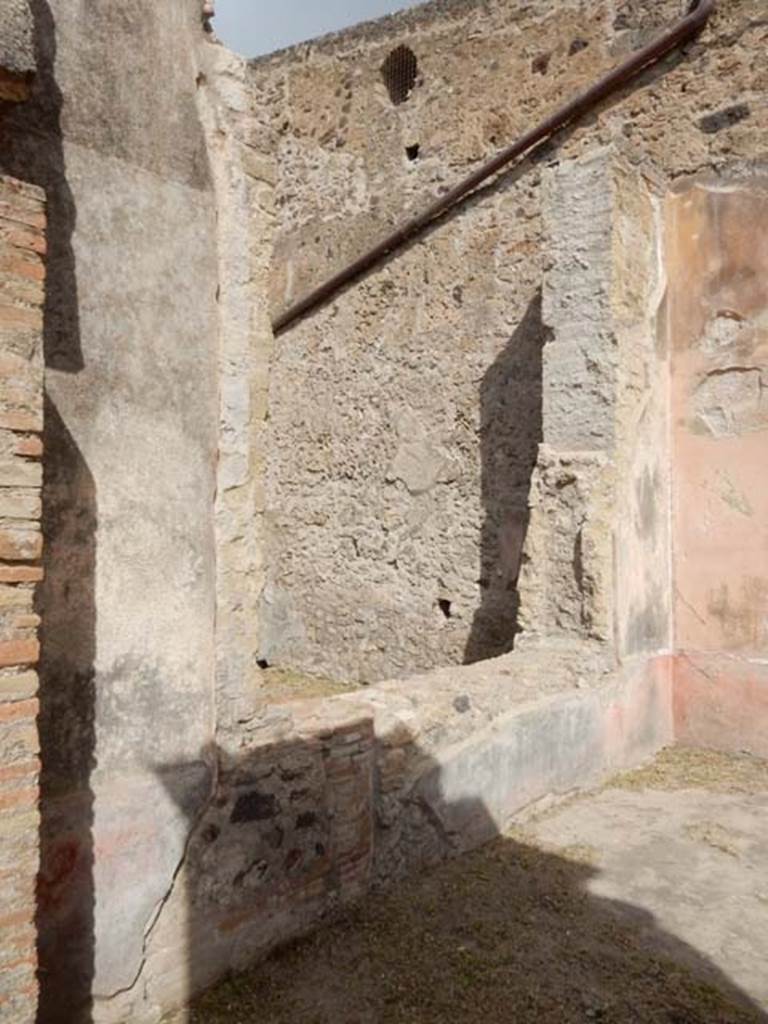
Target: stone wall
470	442
328	799
17	56
317	802
22	250
597	556
405	416
243	184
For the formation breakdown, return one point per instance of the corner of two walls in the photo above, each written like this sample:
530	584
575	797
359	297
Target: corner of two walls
598	561
599	541
318	801
244	174
649	501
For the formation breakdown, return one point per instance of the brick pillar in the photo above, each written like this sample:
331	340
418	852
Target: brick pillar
22	247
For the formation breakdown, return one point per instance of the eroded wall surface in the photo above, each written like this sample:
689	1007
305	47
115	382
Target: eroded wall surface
718	327
22	273
405	416
17	52
243	180
597	556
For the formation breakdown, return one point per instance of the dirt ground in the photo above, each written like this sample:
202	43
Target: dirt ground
640	903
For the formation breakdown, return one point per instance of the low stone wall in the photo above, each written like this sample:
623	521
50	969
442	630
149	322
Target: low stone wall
22	247
328	799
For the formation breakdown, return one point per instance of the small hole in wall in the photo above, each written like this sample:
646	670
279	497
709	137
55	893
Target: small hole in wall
400	71
262	663
445	607
412	152
540	64
577	46
211	833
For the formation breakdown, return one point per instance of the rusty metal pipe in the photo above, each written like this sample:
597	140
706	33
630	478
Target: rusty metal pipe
683	31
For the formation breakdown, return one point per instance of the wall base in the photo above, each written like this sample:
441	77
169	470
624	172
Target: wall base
721	703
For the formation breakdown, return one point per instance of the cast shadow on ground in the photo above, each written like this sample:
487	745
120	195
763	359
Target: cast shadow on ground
312	834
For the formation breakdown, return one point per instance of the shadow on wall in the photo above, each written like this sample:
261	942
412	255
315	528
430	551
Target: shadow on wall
32	150
510	434
297	832
65	909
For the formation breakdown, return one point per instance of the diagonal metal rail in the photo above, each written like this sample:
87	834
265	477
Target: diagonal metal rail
681	32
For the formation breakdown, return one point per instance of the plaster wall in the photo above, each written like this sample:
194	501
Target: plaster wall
243	181
718	324
113	135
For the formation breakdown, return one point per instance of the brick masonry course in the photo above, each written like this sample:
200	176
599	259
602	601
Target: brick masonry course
22	271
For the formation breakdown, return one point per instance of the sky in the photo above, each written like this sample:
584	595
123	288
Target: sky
253	27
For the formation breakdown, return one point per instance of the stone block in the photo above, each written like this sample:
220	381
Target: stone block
21	573
19	652
18	739
19	545
18	686
20	473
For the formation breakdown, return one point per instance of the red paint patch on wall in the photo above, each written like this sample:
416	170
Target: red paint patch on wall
717	259
721	703
52	886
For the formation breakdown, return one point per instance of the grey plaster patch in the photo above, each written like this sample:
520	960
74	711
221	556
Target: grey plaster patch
649	493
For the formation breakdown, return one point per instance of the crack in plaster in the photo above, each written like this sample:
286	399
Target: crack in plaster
697	668
154	917
689	606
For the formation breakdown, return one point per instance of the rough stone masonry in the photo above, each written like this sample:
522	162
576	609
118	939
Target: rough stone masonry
399	461
508	479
